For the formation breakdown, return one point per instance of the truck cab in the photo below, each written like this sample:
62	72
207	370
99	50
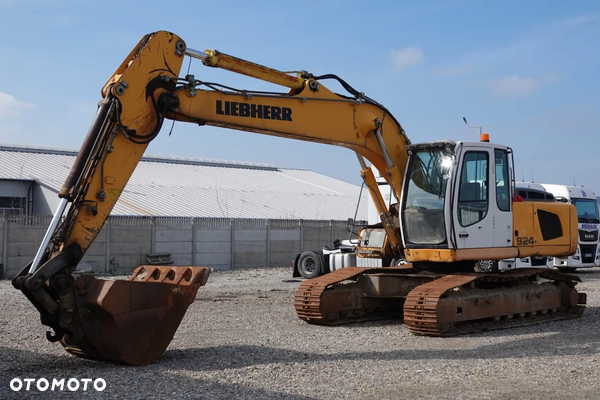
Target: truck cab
588	215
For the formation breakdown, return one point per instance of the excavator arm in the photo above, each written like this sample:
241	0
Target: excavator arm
146	89
110	319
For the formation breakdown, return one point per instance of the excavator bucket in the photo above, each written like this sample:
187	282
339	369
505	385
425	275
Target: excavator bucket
133	321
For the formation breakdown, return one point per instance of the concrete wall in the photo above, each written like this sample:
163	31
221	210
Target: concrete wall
219	243
21	237
213	245
130	240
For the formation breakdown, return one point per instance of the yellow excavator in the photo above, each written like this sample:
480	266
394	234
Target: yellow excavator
455	214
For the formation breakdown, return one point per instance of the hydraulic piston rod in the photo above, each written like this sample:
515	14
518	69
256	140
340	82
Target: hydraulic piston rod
214	58
200	55
55	220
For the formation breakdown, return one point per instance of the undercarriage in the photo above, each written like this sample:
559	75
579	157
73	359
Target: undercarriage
436	304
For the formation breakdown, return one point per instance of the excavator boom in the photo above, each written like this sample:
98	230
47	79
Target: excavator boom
140	95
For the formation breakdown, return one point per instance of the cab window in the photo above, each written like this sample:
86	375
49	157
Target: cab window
473	192
502	180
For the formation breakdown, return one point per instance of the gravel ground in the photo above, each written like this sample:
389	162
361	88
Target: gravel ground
241	339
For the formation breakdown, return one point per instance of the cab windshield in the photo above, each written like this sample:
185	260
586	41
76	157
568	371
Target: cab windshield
423	214
587	210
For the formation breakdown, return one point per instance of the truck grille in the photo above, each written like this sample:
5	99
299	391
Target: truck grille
588	236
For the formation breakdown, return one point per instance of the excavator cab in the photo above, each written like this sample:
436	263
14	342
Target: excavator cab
457	205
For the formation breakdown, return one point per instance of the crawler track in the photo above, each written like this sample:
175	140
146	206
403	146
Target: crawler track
344	302
463	303
440	305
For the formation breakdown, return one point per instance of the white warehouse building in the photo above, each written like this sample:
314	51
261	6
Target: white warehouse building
221	214
31	177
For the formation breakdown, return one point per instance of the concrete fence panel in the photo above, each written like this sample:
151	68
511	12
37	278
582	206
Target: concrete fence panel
284	244
130	242
249	243
220	243
175	236
21	239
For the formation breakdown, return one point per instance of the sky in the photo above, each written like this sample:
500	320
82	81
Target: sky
524	70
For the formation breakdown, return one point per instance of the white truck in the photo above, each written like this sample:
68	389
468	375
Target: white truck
588	214
312	263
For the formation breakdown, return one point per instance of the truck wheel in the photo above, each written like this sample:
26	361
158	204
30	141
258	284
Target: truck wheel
486	266
309	264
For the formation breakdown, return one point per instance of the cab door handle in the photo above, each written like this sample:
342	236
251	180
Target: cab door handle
463	235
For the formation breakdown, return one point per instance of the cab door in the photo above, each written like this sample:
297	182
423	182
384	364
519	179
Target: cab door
473	222
502	216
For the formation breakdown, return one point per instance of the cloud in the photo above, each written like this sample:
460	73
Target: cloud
406	57
514	85
456	70
10	106
575	21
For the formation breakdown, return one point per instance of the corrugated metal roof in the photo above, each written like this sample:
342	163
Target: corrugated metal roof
198	187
